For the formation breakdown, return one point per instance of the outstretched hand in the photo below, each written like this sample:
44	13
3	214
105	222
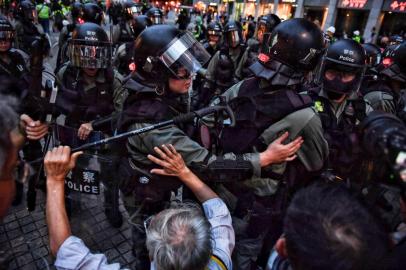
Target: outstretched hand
170	160
277	152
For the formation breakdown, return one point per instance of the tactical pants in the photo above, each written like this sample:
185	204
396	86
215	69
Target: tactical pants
32	151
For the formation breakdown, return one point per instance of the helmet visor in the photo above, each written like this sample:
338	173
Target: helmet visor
6	35
214	33
90	56
133	11
157	19
233	38
185	52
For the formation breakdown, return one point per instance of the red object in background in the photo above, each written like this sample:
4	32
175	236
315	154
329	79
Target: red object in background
132	67
263	57
387	62
81	21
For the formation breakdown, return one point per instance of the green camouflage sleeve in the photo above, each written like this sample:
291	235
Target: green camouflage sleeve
381	101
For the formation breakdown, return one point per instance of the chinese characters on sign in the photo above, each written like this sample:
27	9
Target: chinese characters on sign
353	3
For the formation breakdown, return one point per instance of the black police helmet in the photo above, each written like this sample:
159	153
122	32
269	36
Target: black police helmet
140	23
131	9
373	54
296	43
6	29
27	10
232	34
345	63
77	10
270	21
155	15
92	13
394	62
89	47
214	29
160	50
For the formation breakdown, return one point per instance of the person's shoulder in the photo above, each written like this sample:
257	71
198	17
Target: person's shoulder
302	116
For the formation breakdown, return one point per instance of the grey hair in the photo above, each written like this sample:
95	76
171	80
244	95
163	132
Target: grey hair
8	121
180	239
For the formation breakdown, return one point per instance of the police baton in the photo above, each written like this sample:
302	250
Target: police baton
183	118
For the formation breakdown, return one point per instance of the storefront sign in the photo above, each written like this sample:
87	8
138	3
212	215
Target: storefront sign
288	1
359	4
395	5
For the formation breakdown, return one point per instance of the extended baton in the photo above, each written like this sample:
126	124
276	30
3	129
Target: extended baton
183	118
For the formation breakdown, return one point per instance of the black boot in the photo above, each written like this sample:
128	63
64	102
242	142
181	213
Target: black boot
19	193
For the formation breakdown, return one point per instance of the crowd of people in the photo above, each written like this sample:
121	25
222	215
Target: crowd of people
254	145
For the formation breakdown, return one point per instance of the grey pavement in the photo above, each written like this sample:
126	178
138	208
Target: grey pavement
25	234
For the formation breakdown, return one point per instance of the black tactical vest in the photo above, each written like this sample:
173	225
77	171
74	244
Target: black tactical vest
80	106
255	110
125	35
145	106
14	76
341	135
30	35
225	69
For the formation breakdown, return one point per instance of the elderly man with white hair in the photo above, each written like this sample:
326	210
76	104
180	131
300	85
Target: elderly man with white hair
182	238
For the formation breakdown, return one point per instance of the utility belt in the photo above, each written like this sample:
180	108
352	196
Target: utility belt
136	179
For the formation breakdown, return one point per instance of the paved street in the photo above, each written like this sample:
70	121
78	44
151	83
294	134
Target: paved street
25	234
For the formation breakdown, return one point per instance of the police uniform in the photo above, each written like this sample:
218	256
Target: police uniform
122	33
247	59
266	106
26	33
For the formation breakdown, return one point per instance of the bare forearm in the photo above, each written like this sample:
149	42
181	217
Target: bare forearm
57	219
200	189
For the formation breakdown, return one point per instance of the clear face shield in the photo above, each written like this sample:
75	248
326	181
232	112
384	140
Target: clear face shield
233	38
90	56
157	19
339	78
185	53
261	30
133	12
6	35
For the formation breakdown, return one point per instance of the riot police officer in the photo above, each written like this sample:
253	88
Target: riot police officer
214	34
385	93
89	91
266	24
27	28
265	106
124	31
25	85
373	56
155	15
64	35
158	92
340	108
88	12
221	70
124	56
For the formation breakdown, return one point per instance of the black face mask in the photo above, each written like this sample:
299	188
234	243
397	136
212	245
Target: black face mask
334	95
337	86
